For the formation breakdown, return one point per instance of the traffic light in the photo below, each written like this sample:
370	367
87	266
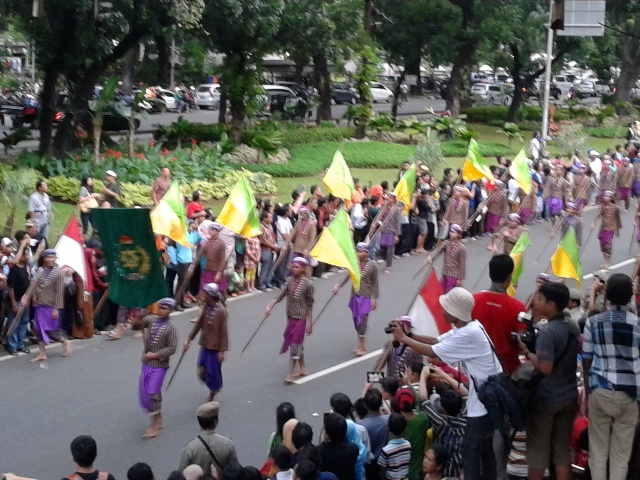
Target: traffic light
557	15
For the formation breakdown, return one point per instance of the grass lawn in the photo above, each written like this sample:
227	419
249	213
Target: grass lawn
61	214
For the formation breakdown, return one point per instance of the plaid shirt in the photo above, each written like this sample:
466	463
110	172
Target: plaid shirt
252	245
612	340
447	431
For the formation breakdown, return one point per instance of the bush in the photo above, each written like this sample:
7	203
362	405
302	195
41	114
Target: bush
487	114
135	194
200	132
316	134
603	132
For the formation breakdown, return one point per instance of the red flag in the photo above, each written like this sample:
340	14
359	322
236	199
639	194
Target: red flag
69	249
426	312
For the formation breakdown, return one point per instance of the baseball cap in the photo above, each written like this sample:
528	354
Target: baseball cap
111	173
208	410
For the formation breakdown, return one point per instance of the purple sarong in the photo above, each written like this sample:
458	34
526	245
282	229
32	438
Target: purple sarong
212	368
580	203
448	283
606	239
491	222
360	306
636	188
525	215
293	334
387	239
151	384
555	206
624	193
45	323
209	276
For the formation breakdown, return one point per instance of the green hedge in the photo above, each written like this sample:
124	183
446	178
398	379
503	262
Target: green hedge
486	114
606	132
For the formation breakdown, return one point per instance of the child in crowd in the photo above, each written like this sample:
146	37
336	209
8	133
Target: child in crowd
395	456
237	284
252	254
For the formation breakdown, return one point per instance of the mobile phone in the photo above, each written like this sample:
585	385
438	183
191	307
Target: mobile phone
375	377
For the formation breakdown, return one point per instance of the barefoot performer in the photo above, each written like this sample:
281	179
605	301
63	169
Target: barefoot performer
48	301
160	341
609	226
572	219
214	339
365	299
455	260
299	293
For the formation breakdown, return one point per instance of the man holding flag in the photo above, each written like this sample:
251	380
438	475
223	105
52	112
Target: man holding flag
610	225
363	298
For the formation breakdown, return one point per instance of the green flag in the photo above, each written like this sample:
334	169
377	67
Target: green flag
132	259
517	254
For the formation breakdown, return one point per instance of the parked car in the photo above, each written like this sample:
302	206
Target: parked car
480	77
503	78
166	97
208	96
586	88
490	93
342	93
284	100
298	89
381	93
563	83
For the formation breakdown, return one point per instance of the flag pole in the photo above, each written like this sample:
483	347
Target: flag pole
175	370
555	230
101	303
433	256
284	250
593	226
333	295
26	298
633	234
264	317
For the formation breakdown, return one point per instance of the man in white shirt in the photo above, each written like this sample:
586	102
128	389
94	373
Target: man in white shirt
514	189
467	343
283	231
39	207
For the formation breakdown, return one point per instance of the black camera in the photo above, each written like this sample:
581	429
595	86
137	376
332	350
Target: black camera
529	337
389	330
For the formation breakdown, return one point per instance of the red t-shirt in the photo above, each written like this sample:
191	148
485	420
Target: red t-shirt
498	314
194	207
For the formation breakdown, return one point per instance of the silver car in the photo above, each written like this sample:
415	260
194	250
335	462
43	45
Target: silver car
208	96
490	93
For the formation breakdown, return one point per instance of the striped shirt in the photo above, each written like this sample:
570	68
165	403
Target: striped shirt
161	338
612	340
299	295
214	253
448	431
50	288
394	458
369	287
455	260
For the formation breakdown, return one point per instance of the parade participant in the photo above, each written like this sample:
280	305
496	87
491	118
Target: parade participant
610	225
626	175
18	281
48	300
365	299
528	205
455	258
458	209
608	176
214	339
214	253
555	193
509	234
580	191
299	292
636	178
160	340
303	237
496	208
571	219
389	222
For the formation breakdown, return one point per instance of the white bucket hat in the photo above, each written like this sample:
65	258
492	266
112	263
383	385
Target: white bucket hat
458	303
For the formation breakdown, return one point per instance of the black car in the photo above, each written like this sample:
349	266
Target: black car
341	93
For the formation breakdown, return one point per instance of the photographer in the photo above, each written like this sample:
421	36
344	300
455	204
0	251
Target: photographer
594	301
549	421
467	343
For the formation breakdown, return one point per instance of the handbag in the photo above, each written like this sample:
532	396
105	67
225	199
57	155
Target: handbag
87	204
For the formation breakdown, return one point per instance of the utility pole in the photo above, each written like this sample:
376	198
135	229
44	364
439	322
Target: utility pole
547	77
173	57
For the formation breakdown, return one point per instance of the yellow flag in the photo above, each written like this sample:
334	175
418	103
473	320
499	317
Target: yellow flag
338	178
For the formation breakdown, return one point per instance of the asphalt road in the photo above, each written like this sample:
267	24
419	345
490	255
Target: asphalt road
95	391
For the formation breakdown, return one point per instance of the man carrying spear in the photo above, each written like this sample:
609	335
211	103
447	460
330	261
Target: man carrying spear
214	339
299	292
609	226
160	341
363	301
555	193
496	208
455	259
571	219
580	191
625	182
509	234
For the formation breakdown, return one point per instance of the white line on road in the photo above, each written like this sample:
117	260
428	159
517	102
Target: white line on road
612	267
337	367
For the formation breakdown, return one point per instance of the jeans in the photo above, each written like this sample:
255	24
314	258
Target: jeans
181	269
169	279
43	232
612	423
279	275
85	218
389	253
478	459
373	249
16	340
266	265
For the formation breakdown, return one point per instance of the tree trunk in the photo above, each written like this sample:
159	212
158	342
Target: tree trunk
47	111
412	67
512	113
629	73
97	133
364	90
128	70
322	79
222	114
164	60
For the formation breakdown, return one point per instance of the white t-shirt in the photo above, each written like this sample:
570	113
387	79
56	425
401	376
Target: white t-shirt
40	205
283	227
513	189
469	345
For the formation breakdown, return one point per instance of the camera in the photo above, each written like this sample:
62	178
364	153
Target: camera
389	330
375	377
529	337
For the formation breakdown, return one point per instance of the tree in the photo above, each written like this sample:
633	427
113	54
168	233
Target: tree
16	185
623	20
320	31
243	30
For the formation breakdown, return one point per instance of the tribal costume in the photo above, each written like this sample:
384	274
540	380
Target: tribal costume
555	195
360	301
454	266
611	223
299	293
48	296
626	175
160	337
214	252
575	222
511	240
580	191
496	210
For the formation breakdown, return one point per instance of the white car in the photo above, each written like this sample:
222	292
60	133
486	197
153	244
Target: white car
381	93
490	93
208	96
563	83
167	97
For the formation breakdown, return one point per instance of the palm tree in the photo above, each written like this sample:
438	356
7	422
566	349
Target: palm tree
16	185
98	108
